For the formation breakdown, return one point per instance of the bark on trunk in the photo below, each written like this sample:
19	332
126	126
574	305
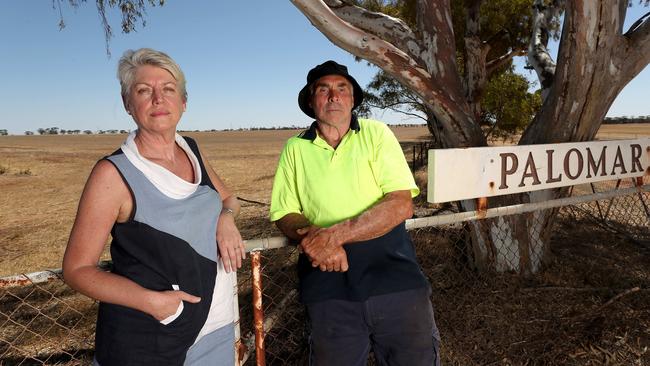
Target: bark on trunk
516	243
475	77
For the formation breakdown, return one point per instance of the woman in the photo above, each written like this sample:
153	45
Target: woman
168	300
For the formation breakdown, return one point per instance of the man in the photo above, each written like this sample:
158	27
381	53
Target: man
343	190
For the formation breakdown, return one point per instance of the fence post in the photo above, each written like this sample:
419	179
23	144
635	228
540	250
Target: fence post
422	146
258	313
638	182
413	161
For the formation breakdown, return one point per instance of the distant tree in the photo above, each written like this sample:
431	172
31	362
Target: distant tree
3	132
507	107
88	132
124	131
41	131
63	132
621	120
29	133
52	131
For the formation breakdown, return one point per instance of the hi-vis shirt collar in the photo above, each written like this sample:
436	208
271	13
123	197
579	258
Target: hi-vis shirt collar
310	133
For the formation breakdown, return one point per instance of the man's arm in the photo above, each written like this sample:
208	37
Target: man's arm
290	223
321	243
296	226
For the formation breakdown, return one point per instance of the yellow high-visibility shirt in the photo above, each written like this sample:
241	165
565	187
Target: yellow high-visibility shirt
330	185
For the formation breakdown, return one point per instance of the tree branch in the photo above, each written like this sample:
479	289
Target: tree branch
395	109
637	24
440	90
622	11
411	105
538	55
496	63
595	62
475	76
355	40
503	33
638	45
438	43
390	29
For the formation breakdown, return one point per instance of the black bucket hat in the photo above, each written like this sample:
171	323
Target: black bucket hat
327	68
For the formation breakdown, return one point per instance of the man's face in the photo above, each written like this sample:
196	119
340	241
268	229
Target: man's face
332	99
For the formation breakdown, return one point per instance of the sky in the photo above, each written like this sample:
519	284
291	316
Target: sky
244	62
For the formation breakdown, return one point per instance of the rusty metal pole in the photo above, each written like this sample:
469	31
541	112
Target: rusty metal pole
258	313
481	206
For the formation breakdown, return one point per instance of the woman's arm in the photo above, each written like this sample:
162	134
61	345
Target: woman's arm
229	240
105	200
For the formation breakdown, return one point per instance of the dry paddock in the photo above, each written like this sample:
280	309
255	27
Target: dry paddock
582	309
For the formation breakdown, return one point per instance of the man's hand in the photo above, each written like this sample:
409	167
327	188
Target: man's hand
323	247
297	227
337	262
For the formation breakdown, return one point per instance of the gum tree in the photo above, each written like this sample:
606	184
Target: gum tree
596	59
500	99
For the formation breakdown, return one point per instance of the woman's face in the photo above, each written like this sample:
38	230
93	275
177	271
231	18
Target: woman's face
155	102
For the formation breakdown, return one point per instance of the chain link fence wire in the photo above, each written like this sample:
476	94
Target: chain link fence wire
46	324
586	304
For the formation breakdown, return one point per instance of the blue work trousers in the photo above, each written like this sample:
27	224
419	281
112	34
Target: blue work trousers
399	328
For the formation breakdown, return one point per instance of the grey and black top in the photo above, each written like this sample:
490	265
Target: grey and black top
166	244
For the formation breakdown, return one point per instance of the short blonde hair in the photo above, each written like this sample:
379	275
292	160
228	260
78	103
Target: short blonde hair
132	59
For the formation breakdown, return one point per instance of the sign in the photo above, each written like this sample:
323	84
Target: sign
457	174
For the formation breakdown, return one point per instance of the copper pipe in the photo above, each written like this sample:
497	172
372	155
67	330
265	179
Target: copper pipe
258	313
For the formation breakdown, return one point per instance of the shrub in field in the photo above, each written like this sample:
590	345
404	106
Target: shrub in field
26	171
3	169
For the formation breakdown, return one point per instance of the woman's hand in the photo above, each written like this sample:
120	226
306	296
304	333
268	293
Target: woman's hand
229	241
231	245
163	304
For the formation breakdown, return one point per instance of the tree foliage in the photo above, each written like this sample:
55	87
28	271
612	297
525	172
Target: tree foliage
506	109
133	12
507	106
506	26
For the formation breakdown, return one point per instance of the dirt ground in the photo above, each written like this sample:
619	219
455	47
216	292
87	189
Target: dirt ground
589	306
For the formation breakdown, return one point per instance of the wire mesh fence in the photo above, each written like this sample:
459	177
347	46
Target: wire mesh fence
46	324
586	303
